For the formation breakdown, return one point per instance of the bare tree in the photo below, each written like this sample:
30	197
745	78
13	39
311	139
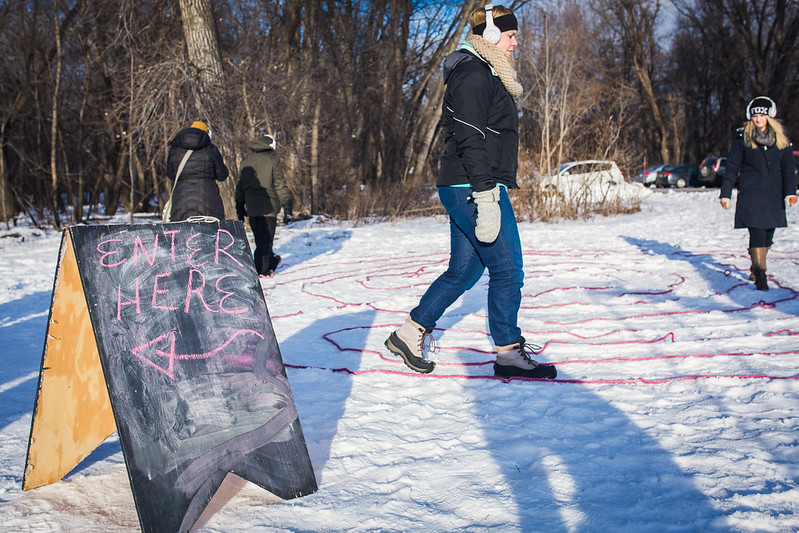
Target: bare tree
352	92
202	41
202	44
573	102
634	23
728	52
428	90
559	78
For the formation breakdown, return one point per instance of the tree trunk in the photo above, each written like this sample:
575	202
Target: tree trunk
649	96
202	45
427	126
315	156
54	119
6	202
202	41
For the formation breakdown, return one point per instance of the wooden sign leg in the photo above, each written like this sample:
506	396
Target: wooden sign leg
72	413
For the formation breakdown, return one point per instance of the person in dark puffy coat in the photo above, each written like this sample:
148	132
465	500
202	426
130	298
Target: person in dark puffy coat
260	193
480	126
196	192
761	160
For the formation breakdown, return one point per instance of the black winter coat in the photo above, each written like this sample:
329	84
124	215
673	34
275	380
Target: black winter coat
480	124
196	193
765	177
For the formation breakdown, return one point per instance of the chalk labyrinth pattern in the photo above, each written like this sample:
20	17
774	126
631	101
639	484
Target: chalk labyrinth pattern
645	316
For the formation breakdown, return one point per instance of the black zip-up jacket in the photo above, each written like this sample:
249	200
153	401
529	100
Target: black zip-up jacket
480	125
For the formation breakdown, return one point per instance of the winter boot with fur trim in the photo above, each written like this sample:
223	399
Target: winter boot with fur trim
408	343
758	256
516	362
752	268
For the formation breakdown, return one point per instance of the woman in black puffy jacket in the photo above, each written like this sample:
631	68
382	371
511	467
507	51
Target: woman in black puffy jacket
196	192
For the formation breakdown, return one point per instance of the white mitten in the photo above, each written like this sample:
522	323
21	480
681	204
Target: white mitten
726	203
790	200
488	215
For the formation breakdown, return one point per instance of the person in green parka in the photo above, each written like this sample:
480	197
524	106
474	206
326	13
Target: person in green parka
260	194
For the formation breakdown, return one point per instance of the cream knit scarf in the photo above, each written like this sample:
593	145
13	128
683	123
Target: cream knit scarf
499	61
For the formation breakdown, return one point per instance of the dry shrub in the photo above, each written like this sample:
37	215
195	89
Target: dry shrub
533	205
383	202
409	201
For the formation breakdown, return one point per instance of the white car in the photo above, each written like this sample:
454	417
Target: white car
587	181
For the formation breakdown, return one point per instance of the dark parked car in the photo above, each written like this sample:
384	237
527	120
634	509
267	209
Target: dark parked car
647	177
679	176
711	171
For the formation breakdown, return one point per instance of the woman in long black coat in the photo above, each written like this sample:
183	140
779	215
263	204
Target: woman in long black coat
761	160
196	192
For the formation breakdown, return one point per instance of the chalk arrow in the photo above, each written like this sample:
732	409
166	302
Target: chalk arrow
162	349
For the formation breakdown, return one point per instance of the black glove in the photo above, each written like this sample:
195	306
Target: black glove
288	215
241	213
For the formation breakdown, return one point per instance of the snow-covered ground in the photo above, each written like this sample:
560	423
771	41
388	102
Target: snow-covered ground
675	408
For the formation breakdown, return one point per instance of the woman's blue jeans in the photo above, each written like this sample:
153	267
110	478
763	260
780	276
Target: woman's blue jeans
468	260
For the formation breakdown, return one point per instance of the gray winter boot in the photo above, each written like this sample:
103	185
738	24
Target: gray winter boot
408	343
516	362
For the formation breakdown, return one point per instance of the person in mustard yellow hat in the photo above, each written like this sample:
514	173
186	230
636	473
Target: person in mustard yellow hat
194	165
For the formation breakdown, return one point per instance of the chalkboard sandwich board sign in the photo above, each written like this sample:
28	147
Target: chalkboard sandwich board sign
189	360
